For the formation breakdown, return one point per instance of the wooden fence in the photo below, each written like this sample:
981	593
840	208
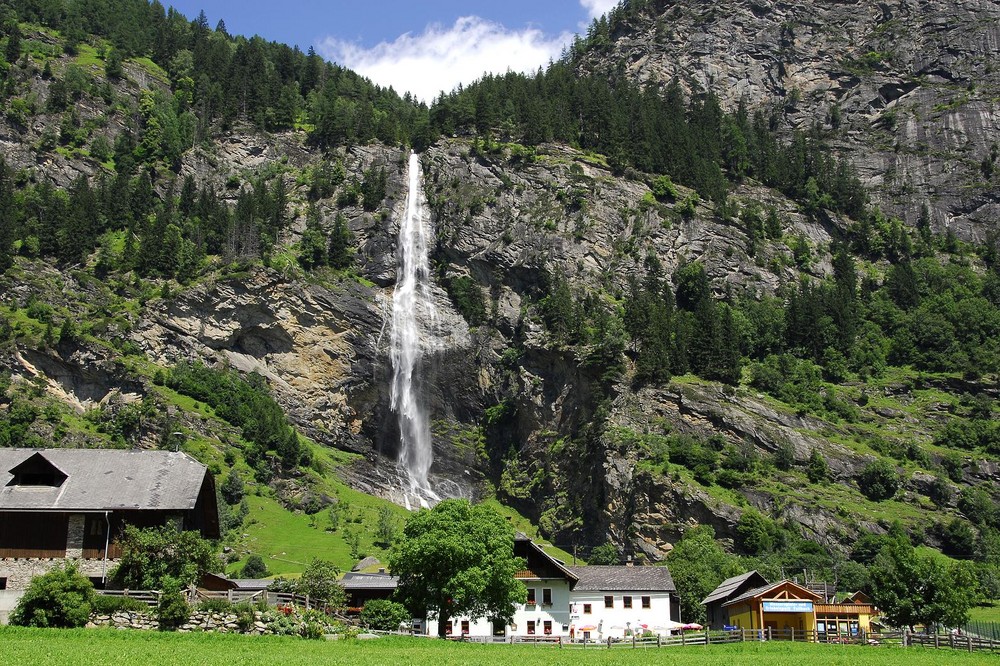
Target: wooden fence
152	597
961	642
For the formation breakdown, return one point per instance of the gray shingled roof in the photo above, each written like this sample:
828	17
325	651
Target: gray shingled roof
373	581
595	578
103	479
251	583
729	586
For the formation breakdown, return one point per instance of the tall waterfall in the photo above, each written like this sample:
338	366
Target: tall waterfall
412	304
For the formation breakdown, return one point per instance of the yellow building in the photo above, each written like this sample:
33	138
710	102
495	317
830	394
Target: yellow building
780	607
787	610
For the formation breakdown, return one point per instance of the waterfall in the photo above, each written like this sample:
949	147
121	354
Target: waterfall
412	304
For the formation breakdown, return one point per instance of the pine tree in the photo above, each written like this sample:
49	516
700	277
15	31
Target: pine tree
340	253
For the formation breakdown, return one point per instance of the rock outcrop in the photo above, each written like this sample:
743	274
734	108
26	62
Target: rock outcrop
907	89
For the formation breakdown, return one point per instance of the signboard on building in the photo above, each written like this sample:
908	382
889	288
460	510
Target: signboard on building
788	606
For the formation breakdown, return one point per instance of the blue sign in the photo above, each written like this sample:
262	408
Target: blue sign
788	606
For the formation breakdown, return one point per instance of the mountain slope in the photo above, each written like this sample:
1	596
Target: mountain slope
620	356
907	89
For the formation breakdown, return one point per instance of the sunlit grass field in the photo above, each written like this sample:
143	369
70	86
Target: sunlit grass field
53	647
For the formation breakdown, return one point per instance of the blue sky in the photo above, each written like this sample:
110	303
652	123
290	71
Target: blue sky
421	46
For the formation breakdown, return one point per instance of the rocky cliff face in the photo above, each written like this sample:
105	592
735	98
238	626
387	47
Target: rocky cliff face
908	89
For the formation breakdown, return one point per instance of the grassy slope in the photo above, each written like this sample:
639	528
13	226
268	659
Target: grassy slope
58	647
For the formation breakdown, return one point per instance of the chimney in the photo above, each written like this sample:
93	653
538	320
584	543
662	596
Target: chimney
381	570
628	561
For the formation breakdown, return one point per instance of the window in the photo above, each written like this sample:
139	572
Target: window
531	627
627	602
547	596
448	628
609	602
465	627
586	609
531	596
647	602
3	583
547	627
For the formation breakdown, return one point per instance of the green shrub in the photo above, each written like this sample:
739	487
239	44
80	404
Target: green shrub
817	470
172	611
245	617
319	583
217	606
106	604
60	598
255	567
879	480
664	188
384	615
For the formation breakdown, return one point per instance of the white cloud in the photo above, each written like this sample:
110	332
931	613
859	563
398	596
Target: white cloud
597	8
440	58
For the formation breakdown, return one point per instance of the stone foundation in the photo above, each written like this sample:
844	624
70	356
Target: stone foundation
20	570
223	623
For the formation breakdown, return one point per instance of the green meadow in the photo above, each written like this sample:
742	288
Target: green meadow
54	647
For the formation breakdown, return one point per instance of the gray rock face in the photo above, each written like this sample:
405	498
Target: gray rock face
909	89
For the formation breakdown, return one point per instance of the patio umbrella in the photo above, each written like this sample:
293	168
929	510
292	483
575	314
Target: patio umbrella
670	625
588	627
694	626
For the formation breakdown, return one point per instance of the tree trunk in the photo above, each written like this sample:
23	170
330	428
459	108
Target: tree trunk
443	618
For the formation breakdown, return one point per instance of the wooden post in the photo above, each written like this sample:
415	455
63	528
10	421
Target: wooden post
708	639
609	642
560	642
968	640
683	637
633	641
658	641
769	633
937	641
951	640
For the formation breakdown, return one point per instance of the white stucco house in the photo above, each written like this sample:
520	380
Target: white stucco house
579	602
619	601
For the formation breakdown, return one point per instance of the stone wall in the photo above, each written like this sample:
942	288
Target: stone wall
20	570
75	534
224	623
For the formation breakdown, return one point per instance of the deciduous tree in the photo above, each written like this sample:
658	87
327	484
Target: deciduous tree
458	560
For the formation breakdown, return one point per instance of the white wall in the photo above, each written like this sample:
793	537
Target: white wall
566	610
8	601
557	613
614	622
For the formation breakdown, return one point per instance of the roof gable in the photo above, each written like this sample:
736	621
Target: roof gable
36	470
784	589
737	585
538	563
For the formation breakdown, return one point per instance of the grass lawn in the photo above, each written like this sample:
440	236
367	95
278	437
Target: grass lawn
127	648
989	613
55	647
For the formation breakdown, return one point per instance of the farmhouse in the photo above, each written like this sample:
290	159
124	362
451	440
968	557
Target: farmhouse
363	587
784	608
577	603
60	505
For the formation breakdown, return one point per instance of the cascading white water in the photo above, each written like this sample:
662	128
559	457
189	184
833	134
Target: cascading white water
412	304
